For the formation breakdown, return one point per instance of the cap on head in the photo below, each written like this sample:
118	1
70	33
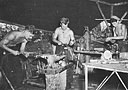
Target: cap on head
115	19
64	20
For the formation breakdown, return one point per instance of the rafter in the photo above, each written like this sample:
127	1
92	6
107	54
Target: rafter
112	7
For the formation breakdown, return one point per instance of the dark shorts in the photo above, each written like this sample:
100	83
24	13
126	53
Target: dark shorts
61	50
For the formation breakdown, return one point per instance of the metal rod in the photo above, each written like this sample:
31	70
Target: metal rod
86	77
119	4
105	81
109	19
102	14
101	19
102	82
123	17
121	81
8	80
110	4
103	2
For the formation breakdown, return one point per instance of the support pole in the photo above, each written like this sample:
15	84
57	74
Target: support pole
86	77
87	42
121	81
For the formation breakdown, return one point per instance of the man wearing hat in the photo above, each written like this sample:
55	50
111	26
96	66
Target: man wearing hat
119	31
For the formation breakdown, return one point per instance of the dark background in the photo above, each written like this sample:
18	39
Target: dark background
45	14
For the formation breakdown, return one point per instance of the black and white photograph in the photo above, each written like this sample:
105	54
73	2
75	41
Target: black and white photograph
63	45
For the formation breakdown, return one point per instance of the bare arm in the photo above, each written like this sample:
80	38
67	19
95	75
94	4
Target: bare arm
124	33
72	38
23	45
114	38
55	35
4	43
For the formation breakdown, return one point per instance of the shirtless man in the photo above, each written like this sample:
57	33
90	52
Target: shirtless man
13	38
14	42
64	35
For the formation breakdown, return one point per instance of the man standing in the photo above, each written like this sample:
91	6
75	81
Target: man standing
64	39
